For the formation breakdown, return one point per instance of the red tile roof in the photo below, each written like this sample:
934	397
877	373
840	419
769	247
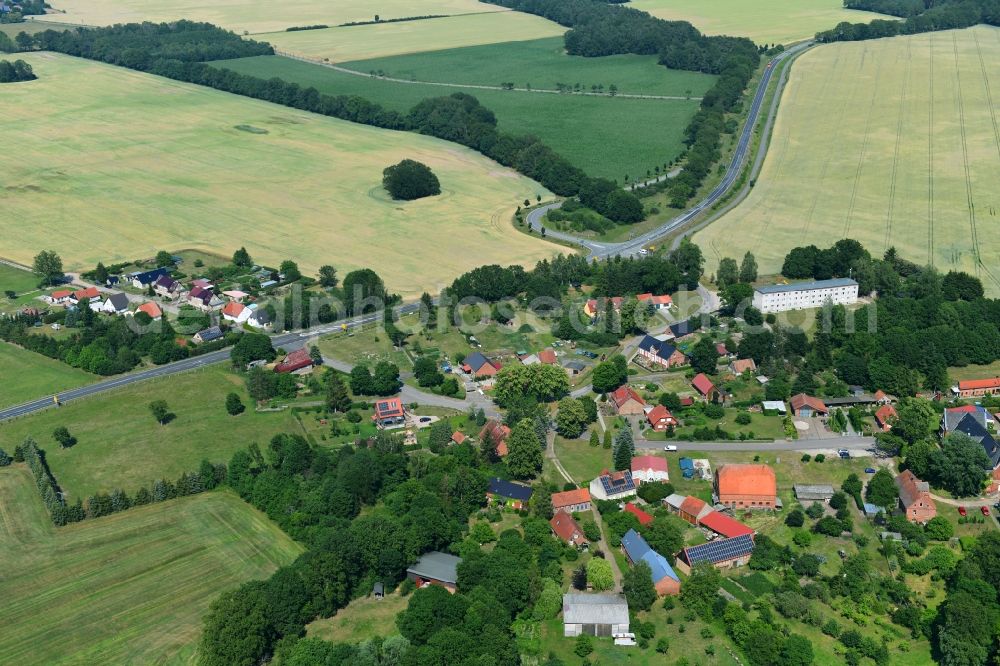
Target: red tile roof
152	309
724	525
644	518
655	300
62	293
747	480
702	384
884	414
687	401
692	505
566	528
570	498
623	394
547	356
802	400
912	489
499	432
973	384
387	408
295	360
720	348
233	309
89	292
458	437
659	413
742	365
649	462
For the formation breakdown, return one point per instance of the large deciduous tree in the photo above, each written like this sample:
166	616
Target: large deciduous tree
49	267
410	180
524	457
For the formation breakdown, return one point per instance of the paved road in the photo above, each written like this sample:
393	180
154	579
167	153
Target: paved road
632	246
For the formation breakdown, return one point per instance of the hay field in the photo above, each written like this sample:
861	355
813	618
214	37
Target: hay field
763	21
894	142
387	39
250	16
130	588
114	164
27	375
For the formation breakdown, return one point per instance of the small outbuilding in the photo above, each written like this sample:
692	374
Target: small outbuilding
594	614
813	493
378	590
435	568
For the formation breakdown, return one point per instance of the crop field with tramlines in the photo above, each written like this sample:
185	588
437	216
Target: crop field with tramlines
130	588
893	142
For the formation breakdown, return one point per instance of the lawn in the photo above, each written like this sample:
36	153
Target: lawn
27	375
764	21
129	588
308	189
387	39
975	372
245	15
608	137
360	620
582	461
892	142
16	280
119	444
543	64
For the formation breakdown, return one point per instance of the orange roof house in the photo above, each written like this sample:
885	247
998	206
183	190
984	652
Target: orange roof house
741	365
703	385
658	302
806	405
89	292
746	486
571	501
389	411
885	416
915	496
627	402
564	527
977	387
152	309
661	419
499	433
547	356
458	437
693	509
233	310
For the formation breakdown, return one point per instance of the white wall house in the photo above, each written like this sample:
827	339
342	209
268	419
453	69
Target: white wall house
784	297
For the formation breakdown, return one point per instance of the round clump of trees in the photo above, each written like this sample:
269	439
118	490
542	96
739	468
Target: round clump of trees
410	180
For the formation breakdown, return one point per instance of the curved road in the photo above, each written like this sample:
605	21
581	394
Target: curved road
632	246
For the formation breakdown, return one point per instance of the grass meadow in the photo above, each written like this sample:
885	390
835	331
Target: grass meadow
27	375
356	42
97	592
172	170
604	136
254	17
119	444
763	21
893	142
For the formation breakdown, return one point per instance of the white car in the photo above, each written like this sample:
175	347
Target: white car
670	447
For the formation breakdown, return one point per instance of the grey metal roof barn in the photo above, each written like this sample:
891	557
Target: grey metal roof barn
806	286
436	566
595	609
813	492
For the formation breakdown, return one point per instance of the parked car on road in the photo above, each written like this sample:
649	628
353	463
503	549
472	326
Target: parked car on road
670	447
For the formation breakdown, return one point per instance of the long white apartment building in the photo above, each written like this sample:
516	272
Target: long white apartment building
784	297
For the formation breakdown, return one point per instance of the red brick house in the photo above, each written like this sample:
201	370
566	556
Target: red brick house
693	509
915	497
972	388
660	353
704	386
627	402
571	501
746	486
565	528
885	417
661	419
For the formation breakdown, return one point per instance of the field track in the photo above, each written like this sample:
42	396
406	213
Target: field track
908	158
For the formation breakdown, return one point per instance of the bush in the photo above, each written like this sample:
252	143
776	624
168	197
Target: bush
743	418
410	180
819	457
795	518
584	645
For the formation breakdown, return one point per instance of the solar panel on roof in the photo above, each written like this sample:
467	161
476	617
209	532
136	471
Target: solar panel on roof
721	550
613	487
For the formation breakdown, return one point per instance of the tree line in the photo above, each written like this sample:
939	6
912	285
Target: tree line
14	72
598	29
181	50
918	17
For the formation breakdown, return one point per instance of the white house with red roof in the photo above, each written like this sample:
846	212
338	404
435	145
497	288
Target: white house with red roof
236	312
647	469
659	302
90	293
59	297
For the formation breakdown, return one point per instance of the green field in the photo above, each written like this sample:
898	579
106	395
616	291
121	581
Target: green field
30	27
27	375
172	171
245	15
361	620
130	588
893	142
17	280
975	372
119	444
386	39
540	63
608	137
764	21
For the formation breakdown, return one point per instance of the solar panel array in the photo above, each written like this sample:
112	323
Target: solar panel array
624	484
720	550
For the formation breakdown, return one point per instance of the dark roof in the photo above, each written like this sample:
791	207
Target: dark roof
147	277
970	426
682	328
165	281
509	489
720	550
475	360
850	400
657	347
436	566
806	286
578	366
261	315
209	334
617	482
119	300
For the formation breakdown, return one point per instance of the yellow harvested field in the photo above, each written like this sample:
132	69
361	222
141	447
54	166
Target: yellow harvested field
175	166
362	42
250	16
893	142
763	21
